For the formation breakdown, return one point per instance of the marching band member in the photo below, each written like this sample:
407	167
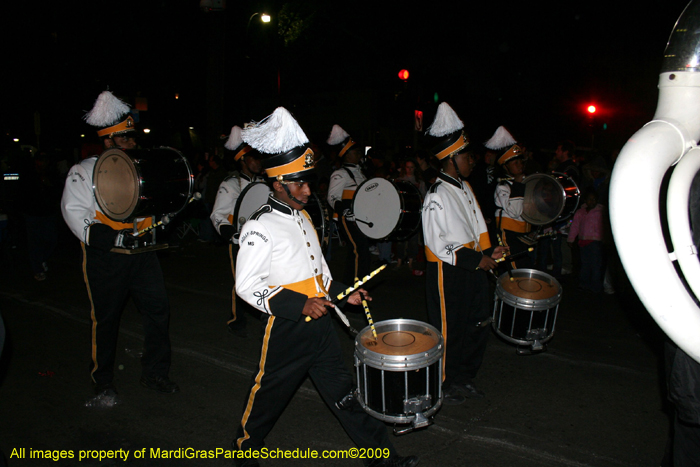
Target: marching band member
510	194
281	271
341	190
457	248
112	277
222	213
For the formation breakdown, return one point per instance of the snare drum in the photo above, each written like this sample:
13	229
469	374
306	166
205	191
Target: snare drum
525	308
251	198
142	182
549	198
387	210
399	375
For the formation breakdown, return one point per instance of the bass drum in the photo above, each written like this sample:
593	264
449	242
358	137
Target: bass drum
319	217
252	197
549	198
134	183
387	210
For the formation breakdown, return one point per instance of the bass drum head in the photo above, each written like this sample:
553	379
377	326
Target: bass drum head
252	197
544	199
549	198
377	208
116	184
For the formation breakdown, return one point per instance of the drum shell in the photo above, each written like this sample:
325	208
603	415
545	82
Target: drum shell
549	198
135	183
525	320
397	206
385	383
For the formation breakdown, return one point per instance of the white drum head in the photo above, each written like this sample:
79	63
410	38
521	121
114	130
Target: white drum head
377	208
252	197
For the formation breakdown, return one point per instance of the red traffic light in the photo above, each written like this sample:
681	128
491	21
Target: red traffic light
591	109
403	75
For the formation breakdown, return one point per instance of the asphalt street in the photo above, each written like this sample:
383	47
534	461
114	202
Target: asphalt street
594	398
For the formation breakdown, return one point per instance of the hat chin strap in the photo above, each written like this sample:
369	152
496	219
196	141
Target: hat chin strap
286	189
454	164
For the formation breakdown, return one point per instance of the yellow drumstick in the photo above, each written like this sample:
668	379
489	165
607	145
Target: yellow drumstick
369	318
354	287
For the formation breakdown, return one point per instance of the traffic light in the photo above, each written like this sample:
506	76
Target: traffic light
591	109
403	75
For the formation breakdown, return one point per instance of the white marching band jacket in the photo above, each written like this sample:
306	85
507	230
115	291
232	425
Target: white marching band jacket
82	213
280	263
453	226
342	186
226	198
509	198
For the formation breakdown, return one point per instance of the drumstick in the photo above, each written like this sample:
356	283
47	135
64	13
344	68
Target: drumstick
354	287
166	219
368	315
514	256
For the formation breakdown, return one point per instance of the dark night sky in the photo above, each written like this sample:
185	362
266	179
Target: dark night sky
528	66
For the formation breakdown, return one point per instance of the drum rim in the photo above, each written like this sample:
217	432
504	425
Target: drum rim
398	362
96	191
402	209
236	209
559	217
528	303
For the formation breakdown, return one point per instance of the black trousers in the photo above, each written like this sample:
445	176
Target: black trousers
290	351
111	278
458	305
359	257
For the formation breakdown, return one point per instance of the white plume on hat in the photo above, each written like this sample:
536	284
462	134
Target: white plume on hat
446	121
275	134
337	136
501	139
234	139
107	110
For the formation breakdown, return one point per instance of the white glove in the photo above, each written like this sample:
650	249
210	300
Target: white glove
349	215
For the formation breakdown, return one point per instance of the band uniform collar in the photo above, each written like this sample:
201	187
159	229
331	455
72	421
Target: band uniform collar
449	179
280	206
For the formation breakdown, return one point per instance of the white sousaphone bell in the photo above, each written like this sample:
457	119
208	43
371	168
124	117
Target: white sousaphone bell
669	139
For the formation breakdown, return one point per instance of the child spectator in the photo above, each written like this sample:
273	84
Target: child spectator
588	227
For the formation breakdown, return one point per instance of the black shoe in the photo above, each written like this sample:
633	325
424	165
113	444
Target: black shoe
237	330
105	397
395	461
470	391
450	396
160	384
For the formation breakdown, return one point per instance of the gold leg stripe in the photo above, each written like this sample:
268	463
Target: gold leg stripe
258	378
443	314
233	291
92	314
